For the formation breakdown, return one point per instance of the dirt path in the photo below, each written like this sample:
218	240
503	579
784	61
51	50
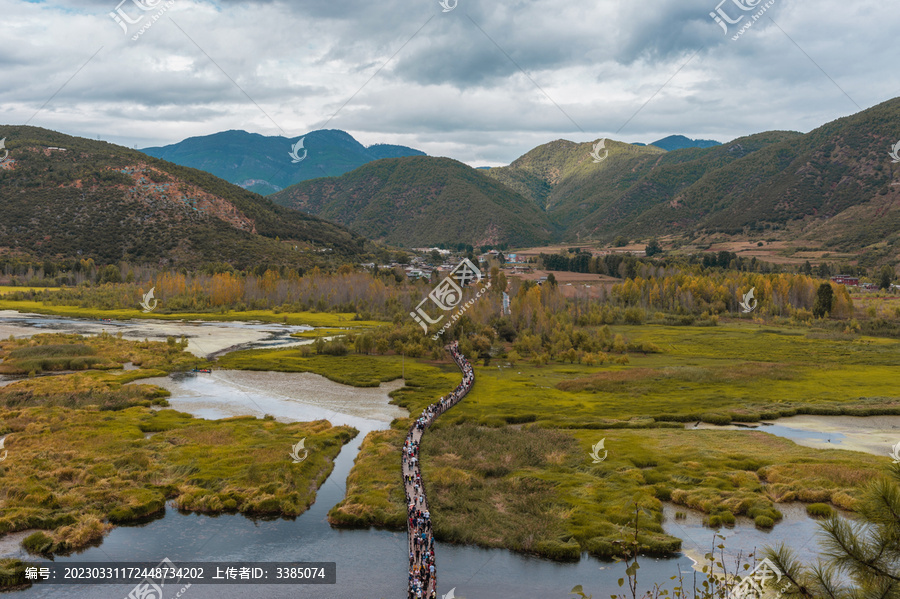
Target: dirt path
422	575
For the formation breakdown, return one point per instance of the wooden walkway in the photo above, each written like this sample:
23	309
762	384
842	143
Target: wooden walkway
422	575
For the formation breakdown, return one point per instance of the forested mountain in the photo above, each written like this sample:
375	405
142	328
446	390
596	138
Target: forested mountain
835	187
680	142
422	201
64	196
263	163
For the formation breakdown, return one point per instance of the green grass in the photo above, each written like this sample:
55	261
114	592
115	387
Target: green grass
321	332
510	467
58	351
12	575
736	372
423	379
316	319
11	289
72	472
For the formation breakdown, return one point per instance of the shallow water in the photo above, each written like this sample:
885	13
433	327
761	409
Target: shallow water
204	338
370	563
796	528
288	396
870	434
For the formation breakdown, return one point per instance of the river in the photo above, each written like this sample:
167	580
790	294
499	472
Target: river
371	563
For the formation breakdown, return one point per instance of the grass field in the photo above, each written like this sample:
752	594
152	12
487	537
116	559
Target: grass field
741	372
315	319
322	332
510	466
73	472
86	451
9	289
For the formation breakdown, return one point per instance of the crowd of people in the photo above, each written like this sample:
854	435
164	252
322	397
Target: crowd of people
422	579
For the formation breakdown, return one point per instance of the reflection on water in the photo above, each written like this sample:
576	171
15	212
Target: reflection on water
870	434
796	434
288	396
797	529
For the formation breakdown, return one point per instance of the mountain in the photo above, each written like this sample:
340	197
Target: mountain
598	200
264	165
680	142
834	187
565	182
66	197
416	201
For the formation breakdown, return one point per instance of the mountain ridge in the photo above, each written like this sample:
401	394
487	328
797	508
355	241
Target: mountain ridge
786	181
421	200
63	196
263	164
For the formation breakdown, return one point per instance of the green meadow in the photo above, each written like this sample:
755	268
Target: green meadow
86	451
11	289
510	465
715	374
315	319
72	473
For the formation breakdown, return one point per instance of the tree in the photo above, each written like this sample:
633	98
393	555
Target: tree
109	274
653	248
806	269
864	554
887	275
402	258
824	301
620	241
435	257
551	280
364	343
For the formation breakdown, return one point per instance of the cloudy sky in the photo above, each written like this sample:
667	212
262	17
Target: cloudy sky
482	82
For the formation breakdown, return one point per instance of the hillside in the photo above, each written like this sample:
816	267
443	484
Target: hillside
422	201
262	163
834	187
64	197
680	142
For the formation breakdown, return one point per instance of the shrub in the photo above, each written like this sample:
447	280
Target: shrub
569	551
634	316
764	522
39	543
819	510
712	418
12	573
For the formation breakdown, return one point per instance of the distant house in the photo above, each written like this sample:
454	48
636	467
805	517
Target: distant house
848	280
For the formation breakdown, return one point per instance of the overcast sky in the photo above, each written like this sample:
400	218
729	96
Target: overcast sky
482	83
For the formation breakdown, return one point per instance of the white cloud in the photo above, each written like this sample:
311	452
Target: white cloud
456	87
